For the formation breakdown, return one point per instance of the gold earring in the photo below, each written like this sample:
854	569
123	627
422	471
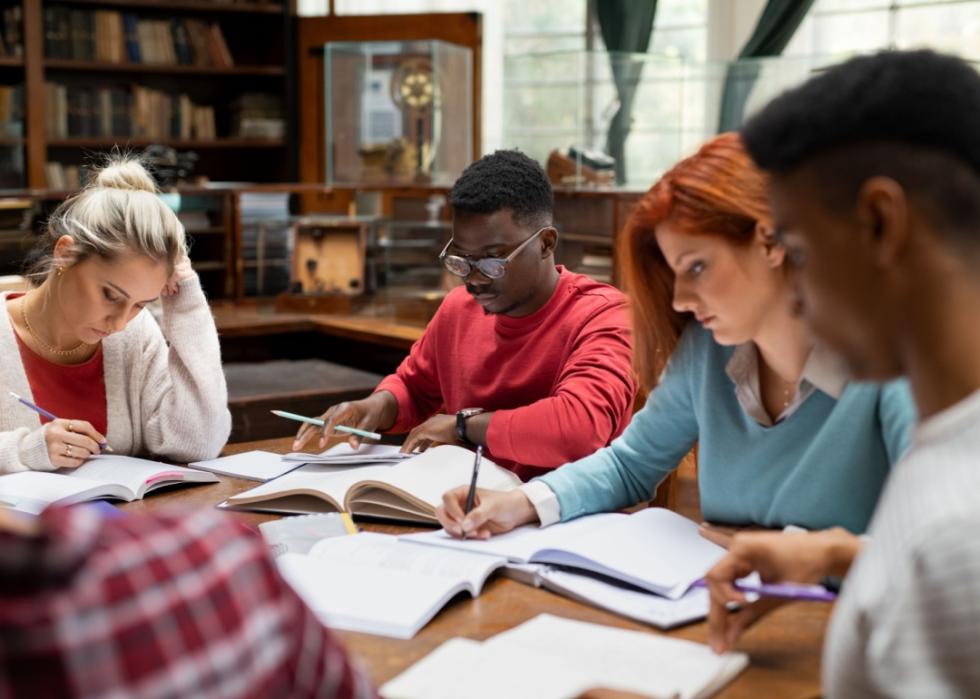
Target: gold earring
60	271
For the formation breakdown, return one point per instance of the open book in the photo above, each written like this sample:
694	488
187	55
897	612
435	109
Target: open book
374	584
550	657
409	490
106	476
654	549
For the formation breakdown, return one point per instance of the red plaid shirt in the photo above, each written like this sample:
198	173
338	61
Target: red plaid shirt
181	605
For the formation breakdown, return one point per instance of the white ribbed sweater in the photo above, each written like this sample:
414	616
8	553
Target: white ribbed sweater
165	390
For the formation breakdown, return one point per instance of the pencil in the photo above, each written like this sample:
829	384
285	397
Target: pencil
784	590
320	423
103	446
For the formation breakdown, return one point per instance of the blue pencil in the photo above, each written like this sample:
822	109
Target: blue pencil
51	416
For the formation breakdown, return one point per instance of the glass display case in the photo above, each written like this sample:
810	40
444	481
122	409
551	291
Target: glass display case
409	282
397	112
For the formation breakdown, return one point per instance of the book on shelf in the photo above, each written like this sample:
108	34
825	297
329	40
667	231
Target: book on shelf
116	112
11	107
101	477
550	657
258	115
409	490
11	32
61	176
110	36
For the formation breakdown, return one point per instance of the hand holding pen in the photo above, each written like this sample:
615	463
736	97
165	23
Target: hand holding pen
69	442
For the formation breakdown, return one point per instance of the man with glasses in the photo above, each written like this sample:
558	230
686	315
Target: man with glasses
525	358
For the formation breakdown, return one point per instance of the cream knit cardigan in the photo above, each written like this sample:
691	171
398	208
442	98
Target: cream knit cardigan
165	390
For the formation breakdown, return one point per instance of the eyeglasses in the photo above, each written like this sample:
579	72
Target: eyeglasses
489	267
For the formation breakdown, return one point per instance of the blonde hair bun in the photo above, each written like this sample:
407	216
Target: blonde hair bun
127	174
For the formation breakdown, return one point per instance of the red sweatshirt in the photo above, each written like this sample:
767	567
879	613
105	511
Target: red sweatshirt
559	380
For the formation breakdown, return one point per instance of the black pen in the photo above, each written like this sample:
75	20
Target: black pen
470	496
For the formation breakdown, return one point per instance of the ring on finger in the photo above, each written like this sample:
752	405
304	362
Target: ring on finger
68	450
70	428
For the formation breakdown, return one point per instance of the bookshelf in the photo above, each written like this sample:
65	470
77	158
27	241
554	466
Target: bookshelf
209	76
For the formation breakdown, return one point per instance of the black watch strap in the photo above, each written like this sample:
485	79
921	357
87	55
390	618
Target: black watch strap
461	418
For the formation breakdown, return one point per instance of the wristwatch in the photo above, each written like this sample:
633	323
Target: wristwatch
461	417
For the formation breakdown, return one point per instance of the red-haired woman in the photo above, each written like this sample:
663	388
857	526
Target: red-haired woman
783	437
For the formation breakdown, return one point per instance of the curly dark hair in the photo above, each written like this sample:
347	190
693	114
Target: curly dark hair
913	116
505	179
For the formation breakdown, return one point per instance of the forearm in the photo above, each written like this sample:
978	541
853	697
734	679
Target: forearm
608	480
477	426
841	548
552	431
183	388
386	404
22	449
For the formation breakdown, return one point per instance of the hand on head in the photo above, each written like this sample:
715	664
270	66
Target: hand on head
494	512
182	270
71	442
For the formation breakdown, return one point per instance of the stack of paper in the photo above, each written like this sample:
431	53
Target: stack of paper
343	455
554	658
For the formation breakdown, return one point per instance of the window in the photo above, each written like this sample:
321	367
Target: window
557	95
835	27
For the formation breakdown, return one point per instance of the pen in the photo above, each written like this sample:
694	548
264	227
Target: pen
471	495
320	423
51	416
786	590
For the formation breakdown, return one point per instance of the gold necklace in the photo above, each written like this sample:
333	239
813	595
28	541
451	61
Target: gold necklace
37	338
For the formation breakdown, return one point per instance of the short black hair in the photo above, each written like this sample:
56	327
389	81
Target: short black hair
505	179
913	116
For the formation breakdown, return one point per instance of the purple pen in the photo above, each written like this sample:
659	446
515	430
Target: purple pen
103	446
787	590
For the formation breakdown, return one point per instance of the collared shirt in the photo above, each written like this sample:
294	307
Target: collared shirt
823	370
181	605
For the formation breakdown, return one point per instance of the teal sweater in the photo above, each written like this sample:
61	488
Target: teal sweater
824	465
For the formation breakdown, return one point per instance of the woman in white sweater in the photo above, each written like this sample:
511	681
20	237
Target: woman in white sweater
80	344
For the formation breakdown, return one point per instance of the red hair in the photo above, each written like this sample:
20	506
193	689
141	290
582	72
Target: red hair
717	191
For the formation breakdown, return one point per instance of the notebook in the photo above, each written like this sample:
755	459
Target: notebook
300	533
407	491
551	657
107	476
250	465
674	553
615	597
375	584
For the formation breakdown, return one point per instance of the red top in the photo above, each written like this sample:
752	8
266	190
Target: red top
559	379
72	392
185	604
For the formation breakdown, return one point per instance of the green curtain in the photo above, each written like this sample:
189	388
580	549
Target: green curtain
626	26
779	21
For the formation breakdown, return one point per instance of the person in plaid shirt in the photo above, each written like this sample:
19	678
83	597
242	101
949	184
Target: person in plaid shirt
186	604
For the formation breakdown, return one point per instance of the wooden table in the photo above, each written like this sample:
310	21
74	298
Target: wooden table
785	647
246	321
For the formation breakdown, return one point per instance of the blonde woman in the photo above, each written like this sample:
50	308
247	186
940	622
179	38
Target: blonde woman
80	345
